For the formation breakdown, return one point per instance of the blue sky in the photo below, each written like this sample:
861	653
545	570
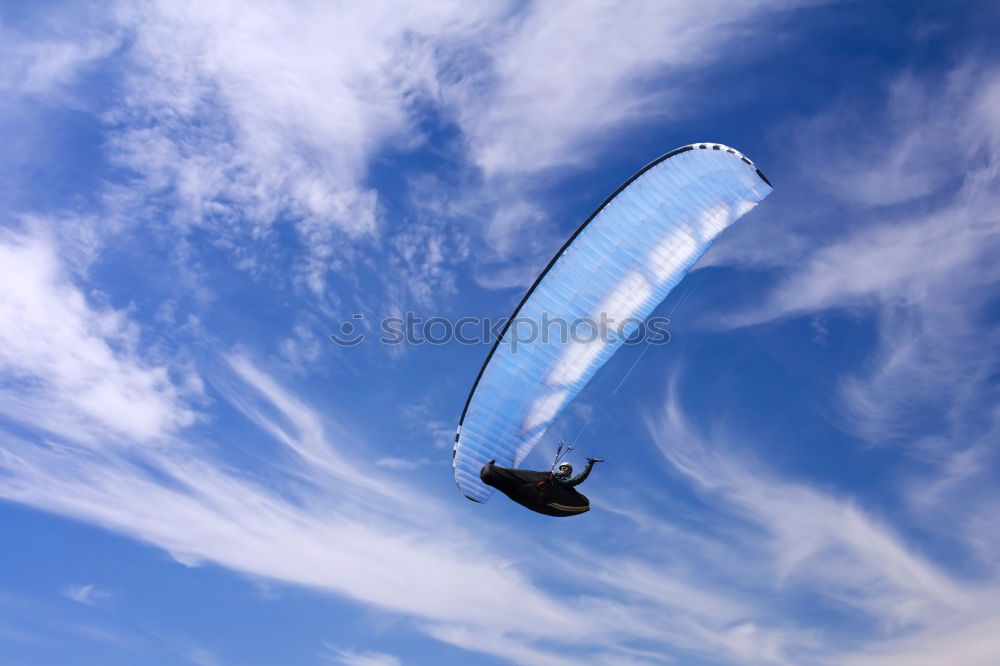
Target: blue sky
194	196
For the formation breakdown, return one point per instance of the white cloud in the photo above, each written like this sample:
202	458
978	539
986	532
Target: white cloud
892	263
242	122
423	255
400	464
247	123
969	644
199	656
245	120
558	82
88	594
39	60
919	206
336	527
947	131
922	137
303	347
239	122
350	658
564	76
828	542
833	549
57	349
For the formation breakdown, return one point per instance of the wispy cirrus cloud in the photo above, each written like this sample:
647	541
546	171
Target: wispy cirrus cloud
350	658
560	78
402	463
244	130
919	260
917	256
41	62
57	349
88	594
896	235
250	124
828	547
970	643
335	526
243	124
553	84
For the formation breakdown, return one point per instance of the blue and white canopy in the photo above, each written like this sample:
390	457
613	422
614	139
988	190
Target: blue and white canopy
609	276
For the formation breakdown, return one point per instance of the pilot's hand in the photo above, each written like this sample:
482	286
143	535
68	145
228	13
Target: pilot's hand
595	460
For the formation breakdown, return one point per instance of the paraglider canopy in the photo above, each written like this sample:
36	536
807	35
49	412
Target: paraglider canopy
613	271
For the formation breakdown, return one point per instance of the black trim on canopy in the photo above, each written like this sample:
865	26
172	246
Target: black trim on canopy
558	254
